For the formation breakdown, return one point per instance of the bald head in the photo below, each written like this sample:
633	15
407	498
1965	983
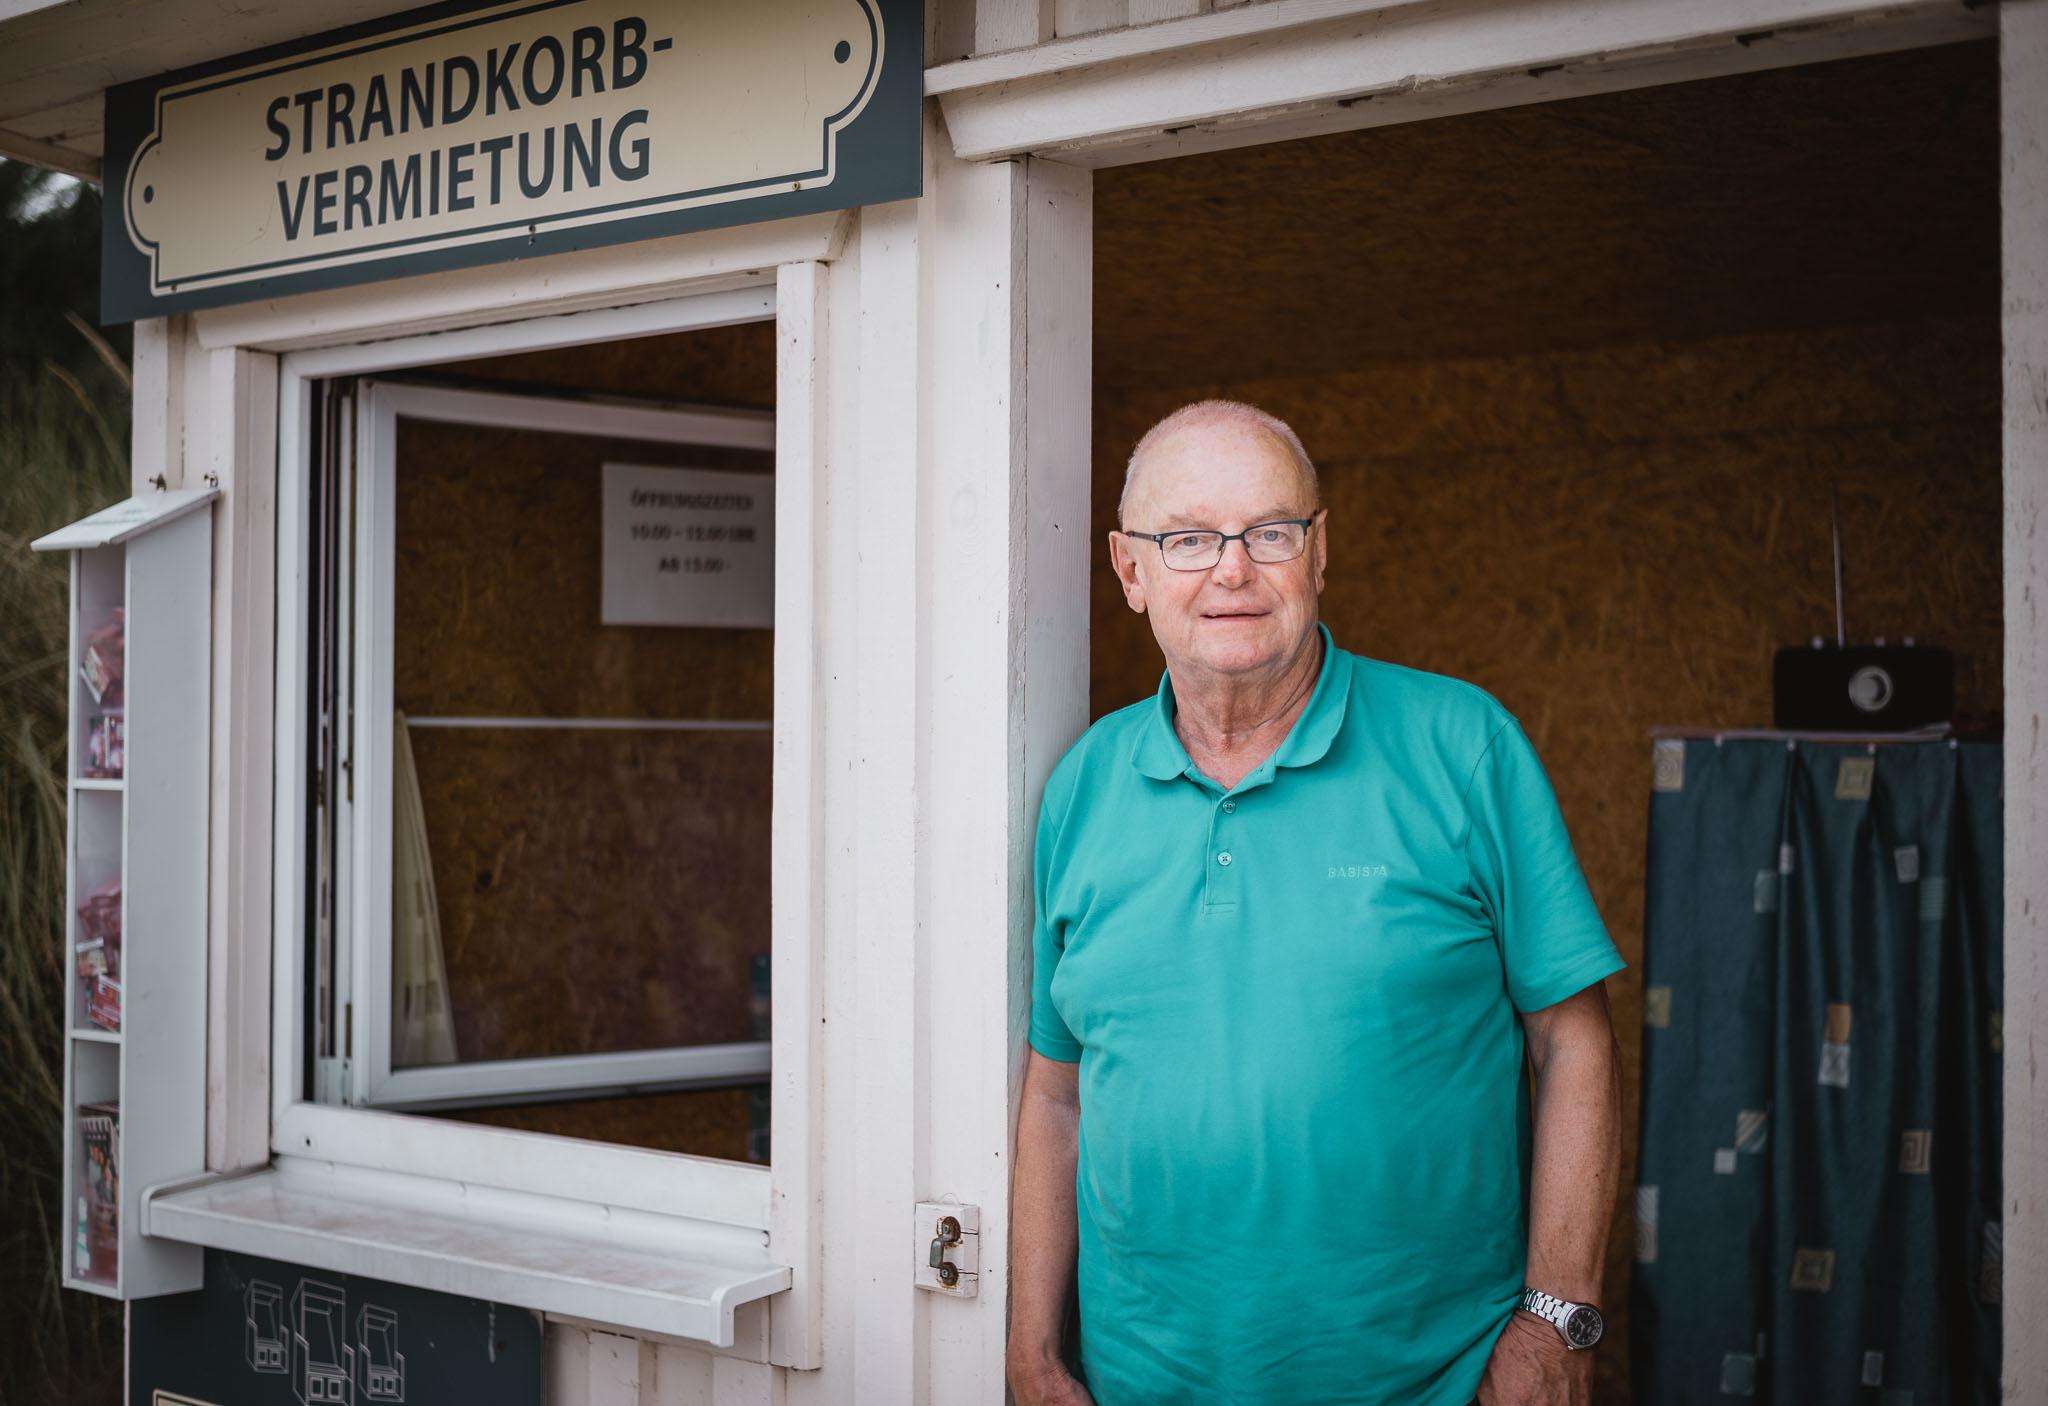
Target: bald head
1218	419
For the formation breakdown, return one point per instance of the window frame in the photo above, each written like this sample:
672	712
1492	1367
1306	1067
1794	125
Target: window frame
368	936
582	1178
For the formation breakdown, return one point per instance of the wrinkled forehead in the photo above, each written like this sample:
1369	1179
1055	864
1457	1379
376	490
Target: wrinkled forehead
1213	472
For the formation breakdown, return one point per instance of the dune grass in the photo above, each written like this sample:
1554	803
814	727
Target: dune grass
62	454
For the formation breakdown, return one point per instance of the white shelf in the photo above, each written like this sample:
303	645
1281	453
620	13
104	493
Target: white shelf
151	559
653	1274
93	1286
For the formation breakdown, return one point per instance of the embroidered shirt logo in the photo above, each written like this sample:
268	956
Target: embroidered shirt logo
1357	871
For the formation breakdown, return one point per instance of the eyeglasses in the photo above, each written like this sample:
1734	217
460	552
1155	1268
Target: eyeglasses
1200	549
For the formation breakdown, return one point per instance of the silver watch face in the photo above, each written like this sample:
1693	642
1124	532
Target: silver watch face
1583	1327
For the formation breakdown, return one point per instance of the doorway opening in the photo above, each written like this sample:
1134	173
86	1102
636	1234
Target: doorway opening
1579	378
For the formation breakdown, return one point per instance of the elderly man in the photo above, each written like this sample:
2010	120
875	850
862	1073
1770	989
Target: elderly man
1301	916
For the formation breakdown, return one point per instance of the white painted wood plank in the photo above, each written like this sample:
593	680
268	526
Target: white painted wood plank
976	459
890	707
1070	17
157	429
1002	25
802	483
843	1309
565	1365
236	445
737	1383
653	269
682	1377
1153	11
621	1370
2023	126
1114	97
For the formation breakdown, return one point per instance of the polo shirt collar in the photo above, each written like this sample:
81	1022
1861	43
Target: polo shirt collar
1161	755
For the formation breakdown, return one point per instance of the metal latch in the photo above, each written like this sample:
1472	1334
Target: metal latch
949	1248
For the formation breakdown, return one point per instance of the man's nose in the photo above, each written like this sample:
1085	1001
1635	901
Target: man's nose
1236	566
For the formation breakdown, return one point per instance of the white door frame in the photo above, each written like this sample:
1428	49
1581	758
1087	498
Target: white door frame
1295	68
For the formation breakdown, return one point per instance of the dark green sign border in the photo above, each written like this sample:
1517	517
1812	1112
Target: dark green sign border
879	159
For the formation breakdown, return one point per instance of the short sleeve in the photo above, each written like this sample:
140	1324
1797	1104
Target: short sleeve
1552	941
1049	1034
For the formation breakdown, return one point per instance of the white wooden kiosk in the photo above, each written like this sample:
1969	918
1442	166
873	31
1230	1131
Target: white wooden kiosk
932	367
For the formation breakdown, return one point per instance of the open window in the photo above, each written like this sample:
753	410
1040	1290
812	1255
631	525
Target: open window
547	812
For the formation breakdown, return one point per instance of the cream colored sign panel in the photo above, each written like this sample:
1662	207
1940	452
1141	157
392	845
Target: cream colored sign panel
510	121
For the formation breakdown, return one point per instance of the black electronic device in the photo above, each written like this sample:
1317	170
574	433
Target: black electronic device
1876	687
1862	688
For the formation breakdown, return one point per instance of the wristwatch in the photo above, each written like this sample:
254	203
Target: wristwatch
1579	1324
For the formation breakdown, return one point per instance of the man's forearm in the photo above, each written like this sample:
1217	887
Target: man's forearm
1042	1226
1577	1161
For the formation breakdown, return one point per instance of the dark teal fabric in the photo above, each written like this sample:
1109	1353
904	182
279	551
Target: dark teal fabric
1817	1199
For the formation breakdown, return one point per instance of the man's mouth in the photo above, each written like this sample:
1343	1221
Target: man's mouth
1231	614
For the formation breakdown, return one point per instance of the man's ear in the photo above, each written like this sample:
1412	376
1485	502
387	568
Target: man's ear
1125	565
1321	549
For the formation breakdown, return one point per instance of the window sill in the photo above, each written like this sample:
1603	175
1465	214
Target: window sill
654	1273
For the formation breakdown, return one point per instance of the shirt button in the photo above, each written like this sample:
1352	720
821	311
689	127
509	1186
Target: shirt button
1224	859
1229	806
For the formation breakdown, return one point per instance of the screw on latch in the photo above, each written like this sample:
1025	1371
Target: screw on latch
949	1234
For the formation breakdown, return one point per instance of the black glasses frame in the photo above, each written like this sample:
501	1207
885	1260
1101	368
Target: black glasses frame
1307	525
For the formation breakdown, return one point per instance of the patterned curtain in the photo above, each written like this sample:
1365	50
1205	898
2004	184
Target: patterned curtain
1817	1199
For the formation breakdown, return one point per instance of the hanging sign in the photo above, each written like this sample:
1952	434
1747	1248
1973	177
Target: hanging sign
472	133
688	547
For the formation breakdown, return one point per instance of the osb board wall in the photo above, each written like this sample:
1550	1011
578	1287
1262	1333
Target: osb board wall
597	890
1592	476
1858	191
500	570
701	1122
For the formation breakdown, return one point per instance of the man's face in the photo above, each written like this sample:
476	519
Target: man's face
1240	616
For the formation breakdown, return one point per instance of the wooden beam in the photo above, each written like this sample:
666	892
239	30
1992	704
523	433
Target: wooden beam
16	147
1293	68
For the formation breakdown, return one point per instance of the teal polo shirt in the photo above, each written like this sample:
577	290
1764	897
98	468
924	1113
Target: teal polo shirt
1304	1137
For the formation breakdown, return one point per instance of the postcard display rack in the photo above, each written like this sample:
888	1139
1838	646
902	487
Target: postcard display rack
135	934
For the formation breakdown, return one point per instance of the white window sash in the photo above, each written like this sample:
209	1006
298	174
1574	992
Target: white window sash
373	1079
